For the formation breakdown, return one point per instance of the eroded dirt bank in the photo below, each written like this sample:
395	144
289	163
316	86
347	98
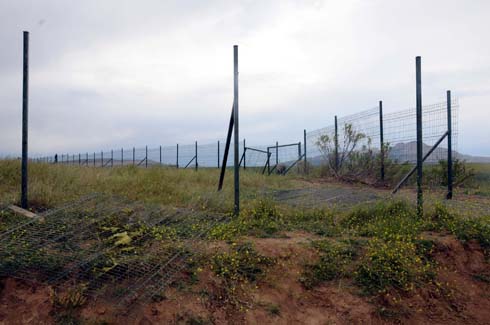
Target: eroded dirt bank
460	295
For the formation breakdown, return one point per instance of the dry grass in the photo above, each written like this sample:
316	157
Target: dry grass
50	185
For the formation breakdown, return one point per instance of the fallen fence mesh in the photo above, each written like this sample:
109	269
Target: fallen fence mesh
110	248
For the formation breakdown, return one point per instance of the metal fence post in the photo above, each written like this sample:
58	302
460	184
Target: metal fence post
102	159
277	154
268	161
218	154
299	155
86	156
122	156
25	119
146	156
160	155
79	159
134	155
236	129
304	145
381	141
244	155
112	158
419	135
94	159
449	149
336	143
177	156
304	148
195	162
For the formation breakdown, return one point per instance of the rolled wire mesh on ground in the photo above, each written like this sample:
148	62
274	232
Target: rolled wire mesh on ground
115	250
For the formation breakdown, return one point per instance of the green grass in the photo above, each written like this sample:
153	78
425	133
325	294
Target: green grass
50	185
479	184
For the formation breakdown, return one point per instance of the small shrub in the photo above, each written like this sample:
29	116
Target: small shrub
243	263
438	174
319	222
475	228
263	220
237	268
441	219
71	299
389	221
392	264
369	212
66	305
273	309
333	263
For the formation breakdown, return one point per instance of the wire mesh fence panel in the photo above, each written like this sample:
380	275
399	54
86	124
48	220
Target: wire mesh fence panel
154	156
169	156
400	132
207	155
231	153
351	147
256	157
187	154
283	157
115	250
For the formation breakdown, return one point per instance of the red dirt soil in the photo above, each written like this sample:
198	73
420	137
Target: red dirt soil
279	298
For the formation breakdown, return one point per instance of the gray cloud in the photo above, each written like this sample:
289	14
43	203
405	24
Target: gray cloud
122	73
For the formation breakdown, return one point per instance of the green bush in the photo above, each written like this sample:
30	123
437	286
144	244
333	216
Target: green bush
438	174
392	264
332	264
262	220
320	222
242	264
392	220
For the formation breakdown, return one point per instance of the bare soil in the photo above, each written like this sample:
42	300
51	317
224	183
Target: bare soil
462	296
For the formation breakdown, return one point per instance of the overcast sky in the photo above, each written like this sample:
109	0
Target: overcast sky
121	73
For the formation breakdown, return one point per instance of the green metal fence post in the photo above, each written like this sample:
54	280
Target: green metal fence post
336	143
449	149
236	129
25	125
381	141
419	135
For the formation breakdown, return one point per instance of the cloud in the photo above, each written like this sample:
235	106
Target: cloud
123	73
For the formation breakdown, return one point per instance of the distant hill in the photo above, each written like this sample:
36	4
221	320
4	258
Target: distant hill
408	152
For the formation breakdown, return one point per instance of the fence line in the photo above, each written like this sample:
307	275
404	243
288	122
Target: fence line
398	130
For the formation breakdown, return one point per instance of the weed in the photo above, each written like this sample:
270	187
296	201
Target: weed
240	266
320	222
66	305
392	264
262	220
243	263
333	263
482	277
273	309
